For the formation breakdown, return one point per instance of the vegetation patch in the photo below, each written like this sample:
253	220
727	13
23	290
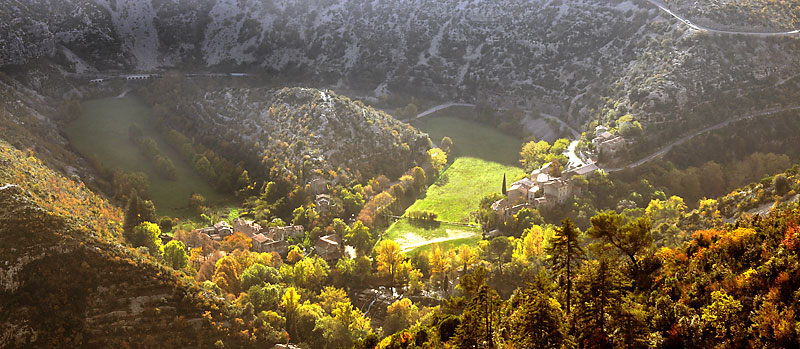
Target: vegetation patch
483	155
102	132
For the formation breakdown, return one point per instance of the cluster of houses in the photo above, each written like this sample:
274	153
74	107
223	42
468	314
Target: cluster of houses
544	188
607	144
272	239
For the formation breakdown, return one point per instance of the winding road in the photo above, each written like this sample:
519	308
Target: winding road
663	150
694	26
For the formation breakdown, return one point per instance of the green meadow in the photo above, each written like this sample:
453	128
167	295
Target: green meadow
102	131
482	155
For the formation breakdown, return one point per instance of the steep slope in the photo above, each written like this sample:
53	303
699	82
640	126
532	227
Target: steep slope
584	59
65	280
59	195
296	134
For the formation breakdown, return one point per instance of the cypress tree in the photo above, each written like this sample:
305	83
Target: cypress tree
505	192
132	213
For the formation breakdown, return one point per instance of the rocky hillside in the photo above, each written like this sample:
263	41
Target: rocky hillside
586	59
296	134
63	283
761	15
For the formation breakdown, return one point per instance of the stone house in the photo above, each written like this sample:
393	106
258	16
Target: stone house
282	233
262	243
327	247
246	227
518	192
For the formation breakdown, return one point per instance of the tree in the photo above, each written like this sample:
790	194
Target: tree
504	190
389	257
446	144
330	297
197	203
419	177
439	268
600	289
533	155
175	255
289	302
564	255
536	320
722	314
781	184
631	240
343	327
147	235
478	320
226	274
138	211
399	315
258	275
438	159
359	237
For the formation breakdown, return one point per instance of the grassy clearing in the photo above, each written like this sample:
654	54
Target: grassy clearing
102	131
482	156
472	139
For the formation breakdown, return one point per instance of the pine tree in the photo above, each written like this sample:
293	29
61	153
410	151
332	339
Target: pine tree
565	254
479	320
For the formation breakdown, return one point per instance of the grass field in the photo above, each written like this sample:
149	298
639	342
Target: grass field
471	138
102	131
482	156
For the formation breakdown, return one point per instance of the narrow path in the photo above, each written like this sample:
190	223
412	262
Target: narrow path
121	95
440	107
694	26
663	150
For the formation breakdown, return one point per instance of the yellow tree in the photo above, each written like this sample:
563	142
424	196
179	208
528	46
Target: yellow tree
226	274
530	246
466	256
439	267
389	256
289	302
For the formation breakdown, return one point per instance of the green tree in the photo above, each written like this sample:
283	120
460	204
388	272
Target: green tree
723	315
533	155
479	320
147	235
419	178
564	256
632	239
258	275
600	289
138	211
446	144
535	320
504	190
175	255
359	237
290	302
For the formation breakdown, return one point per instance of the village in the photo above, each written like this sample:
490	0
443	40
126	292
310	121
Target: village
278	239
548	186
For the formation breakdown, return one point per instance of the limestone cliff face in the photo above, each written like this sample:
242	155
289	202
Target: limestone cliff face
567	56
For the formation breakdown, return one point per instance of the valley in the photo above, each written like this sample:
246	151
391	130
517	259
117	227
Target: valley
400	174
102	132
